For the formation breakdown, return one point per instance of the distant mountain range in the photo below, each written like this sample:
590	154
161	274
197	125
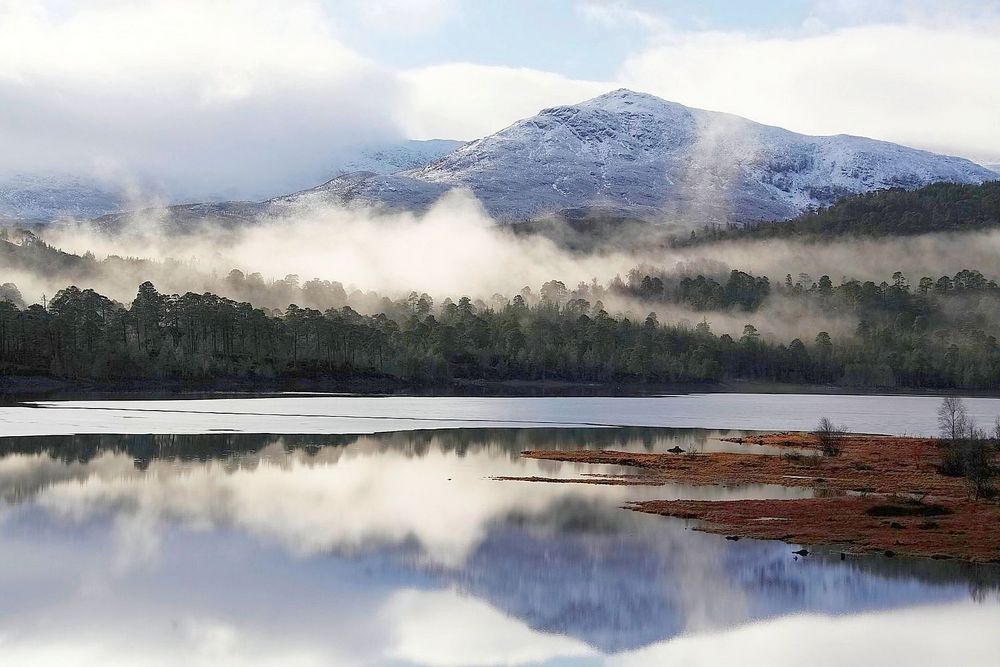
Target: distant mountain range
53	195
623	153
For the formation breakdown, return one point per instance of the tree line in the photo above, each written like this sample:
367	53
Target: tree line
935	335
939	207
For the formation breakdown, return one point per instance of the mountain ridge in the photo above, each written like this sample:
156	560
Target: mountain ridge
629	155
640	155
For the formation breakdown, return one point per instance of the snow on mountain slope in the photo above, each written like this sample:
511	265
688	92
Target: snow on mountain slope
638	154
48	196
623	153
993	166
389	158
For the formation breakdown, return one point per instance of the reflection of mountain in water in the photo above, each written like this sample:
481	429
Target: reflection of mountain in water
602	587
619	581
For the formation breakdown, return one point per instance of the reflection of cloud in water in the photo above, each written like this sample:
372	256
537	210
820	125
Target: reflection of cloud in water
311	506
339	498
955	634
448	629
22	475
444	628
193	641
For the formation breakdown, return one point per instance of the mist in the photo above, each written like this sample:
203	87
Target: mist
455	249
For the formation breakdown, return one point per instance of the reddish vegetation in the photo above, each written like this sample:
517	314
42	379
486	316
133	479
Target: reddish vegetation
881	494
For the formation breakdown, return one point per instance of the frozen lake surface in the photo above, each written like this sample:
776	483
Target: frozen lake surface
899	415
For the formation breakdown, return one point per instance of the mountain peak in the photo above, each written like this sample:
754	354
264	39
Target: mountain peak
627	96
627	101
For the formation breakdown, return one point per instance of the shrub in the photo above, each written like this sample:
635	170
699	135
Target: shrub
829	436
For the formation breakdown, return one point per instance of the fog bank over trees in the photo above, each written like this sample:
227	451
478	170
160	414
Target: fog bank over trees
279	296
934	335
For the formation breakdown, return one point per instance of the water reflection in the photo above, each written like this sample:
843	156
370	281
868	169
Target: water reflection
203	447
255	549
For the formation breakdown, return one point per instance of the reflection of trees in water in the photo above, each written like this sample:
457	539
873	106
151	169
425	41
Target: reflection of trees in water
983	579
64	457
145	448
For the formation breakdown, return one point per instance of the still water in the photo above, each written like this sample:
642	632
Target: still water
398	548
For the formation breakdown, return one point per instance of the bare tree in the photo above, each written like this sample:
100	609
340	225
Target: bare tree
829	436
953	418
968	449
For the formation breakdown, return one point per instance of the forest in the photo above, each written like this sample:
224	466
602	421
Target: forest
936	332
939	207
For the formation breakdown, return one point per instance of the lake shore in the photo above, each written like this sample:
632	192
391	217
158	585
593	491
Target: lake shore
17	388
880	495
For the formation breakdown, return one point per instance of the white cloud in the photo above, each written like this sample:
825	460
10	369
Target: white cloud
468	101
866	12
909	73
208	96
406	16
617	15
935	87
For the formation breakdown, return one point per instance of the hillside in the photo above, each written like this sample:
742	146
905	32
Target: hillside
637	155
941	207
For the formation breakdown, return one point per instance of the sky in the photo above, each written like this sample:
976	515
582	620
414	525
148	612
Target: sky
250	98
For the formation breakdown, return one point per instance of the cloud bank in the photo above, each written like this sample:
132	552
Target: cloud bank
201	99
933	87
216	99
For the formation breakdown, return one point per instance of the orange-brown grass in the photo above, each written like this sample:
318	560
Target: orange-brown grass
880	494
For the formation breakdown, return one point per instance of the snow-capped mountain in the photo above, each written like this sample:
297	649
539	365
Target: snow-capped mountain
638	154
993	166
45	196
388	158
624	153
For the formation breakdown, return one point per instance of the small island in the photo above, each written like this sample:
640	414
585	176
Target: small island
924	497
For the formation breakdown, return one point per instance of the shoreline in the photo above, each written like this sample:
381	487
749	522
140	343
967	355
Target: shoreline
881	495
14	389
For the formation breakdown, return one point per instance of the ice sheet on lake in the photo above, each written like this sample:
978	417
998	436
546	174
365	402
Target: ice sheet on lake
905	415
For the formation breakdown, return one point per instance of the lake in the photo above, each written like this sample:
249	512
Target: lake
330	530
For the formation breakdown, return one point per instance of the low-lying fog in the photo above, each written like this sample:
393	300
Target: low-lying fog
454	249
